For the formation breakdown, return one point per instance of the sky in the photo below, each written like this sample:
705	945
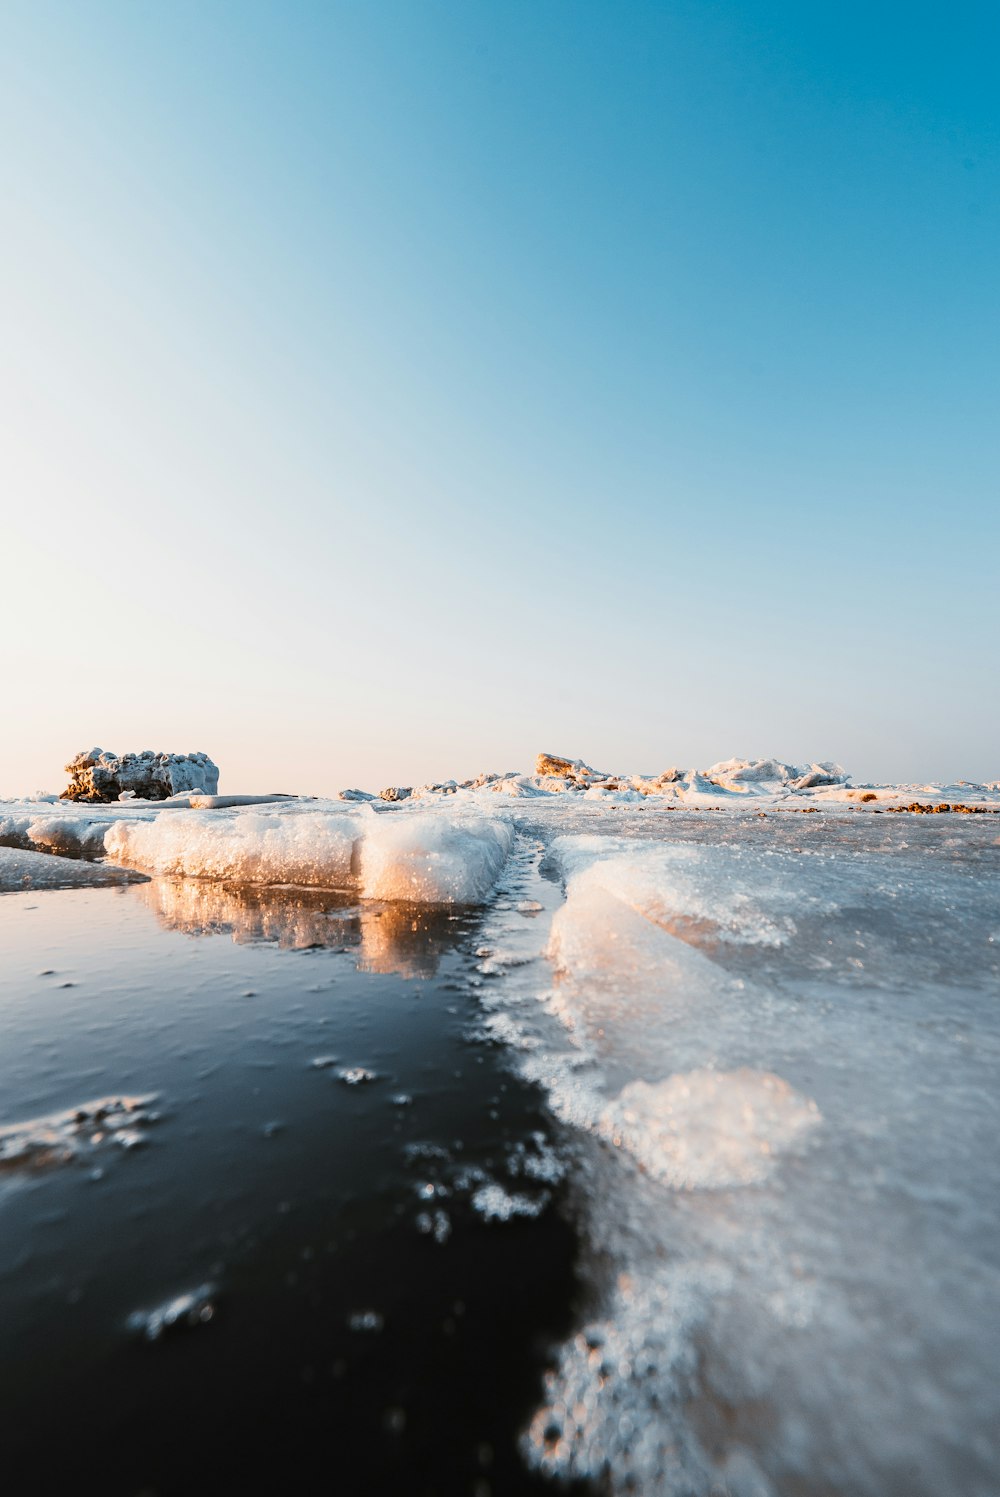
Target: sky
391	391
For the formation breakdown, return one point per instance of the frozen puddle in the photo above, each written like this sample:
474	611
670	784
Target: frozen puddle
782	1168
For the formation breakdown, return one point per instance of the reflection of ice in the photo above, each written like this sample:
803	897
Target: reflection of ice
297	918
408	940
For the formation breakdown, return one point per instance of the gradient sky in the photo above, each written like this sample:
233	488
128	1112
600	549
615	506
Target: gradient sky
390	390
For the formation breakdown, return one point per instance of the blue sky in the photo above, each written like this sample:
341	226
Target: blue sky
392	390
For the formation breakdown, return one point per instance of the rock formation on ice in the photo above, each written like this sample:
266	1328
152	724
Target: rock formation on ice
100	776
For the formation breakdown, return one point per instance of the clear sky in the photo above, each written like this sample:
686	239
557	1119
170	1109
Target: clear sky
390	390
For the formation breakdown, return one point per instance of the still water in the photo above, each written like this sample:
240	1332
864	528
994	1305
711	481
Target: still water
320	1247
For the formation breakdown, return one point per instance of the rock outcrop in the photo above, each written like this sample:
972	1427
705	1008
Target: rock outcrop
98	776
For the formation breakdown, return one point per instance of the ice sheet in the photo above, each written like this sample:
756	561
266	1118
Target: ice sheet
776	1053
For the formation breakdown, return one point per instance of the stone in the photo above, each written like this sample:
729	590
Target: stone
98	776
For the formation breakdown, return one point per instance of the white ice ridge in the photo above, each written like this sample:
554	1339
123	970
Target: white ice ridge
439	855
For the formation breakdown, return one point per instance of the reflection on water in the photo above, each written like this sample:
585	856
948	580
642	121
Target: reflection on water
406	939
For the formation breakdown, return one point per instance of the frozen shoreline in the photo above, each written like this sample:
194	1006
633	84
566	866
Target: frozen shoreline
768	1041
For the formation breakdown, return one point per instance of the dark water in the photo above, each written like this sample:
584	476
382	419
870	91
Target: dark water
356	1324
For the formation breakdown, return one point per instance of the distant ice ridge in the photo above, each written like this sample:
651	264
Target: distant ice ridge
444	855
728	784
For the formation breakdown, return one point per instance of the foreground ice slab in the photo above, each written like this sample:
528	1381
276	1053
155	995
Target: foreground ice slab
774	1055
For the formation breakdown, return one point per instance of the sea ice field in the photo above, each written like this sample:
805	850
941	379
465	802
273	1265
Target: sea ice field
631	1138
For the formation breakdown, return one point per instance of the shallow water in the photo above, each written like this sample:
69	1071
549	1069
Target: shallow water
276	1267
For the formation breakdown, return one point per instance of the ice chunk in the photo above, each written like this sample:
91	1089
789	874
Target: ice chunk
432	855
496	1204
252	847
97	775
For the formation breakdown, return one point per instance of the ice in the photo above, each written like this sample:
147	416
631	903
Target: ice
774	1043
708	1129
20	871
432	856
355	1075
63	1137
436	858
705	890
496	1204
98	775
250	847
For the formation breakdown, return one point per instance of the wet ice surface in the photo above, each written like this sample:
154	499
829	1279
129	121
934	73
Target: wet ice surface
290	1275
776	1043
